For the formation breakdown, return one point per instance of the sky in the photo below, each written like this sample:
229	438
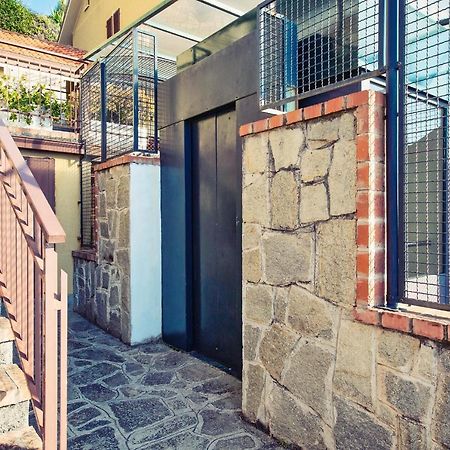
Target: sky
41	6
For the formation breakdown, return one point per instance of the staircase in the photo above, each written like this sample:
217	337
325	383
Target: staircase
34	295
15	432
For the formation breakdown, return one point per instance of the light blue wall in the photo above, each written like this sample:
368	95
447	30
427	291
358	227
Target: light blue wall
145	251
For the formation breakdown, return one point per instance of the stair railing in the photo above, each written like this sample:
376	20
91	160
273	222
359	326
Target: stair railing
33	290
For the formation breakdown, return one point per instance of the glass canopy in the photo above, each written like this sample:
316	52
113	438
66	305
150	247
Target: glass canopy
180	24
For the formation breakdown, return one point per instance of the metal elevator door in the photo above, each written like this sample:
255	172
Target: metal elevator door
217	306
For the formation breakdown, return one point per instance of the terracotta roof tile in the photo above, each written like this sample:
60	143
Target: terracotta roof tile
17	40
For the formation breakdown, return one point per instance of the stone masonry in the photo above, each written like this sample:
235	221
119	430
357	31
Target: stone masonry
314	376
102	287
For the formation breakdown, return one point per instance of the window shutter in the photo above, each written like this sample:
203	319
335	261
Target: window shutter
109	28
116	19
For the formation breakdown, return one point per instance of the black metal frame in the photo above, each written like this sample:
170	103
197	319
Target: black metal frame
281	103
128	82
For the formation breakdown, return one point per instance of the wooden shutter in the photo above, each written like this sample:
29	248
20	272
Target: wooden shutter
109	28
116	20
43	170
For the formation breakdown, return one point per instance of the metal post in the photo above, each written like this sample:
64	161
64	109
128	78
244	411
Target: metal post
155	81
392	152
444	275
381	36
135	90
103	99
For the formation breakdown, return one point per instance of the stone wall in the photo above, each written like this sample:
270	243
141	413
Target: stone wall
117	285
102	288
313	375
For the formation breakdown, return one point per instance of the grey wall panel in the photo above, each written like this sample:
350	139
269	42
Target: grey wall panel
175	210
216	81
218	41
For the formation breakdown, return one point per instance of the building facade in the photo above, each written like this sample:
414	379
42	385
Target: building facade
43	121
89	23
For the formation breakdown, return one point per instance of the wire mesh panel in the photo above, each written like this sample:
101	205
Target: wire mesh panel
424	149
119	109
146	92
87	204
91	137
312	45
119	99
90	111
119	84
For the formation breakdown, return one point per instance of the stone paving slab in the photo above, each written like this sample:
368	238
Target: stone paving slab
150	397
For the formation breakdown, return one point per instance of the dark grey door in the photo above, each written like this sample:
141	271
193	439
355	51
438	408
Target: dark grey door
216	239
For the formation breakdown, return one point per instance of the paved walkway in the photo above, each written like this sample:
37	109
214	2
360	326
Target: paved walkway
150	397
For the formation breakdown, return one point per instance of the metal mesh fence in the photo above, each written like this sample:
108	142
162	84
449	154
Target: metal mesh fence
424	130
87	204
119	86
90	134
308	46
90	111
119	109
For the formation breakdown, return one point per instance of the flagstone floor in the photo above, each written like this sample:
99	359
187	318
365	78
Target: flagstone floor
150	397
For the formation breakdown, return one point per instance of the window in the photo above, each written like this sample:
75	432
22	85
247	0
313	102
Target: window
109	28
116	21
113	24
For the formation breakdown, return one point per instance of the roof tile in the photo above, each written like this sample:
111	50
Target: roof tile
15	42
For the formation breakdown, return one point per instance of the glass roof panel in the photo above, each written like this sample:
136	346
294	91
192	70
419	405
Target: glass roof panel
184	23
242	5
193	18
168	44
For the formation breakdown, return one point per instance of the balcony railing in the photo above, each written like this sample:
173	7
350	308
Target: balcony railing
38	97
33	290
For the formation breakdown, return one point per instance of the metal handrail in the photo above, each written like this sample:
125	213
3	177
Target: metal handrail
53	231
29	279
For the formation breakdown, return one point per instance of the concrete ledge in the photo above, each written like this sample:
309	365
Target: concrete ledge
127	159
47	145
86	254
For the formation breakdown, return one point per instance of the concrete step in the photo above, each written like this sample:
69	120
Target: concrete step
14	398
23	439
6	341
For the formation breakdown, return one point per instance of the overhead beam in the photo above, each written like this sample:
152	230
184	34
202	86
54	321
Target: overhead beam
174	31
223	7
